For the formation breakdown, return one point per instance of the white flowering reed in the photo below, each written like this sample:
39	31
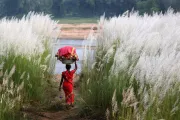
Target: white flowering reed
154	40
10	94
147	49
25	55
26	36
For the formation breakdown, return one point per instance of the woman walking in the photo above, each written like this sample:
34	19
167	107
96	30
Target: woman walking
67	81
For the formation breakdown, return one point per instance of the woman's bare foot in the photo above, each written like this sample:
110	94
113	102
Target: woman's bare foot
68	107
72	105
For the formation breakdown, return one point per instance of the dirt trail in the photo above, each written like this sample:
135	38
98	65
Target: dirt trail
71	114
58	110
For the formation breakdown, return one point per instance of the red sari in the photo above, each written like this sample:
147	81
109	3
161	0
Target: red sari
68	86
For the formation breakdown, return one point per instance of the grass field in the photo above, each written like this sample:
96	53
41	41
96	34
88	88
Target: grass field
25	62
134	72
76	20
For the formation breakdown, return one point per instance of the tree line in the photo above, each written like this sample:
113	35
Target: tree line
84	8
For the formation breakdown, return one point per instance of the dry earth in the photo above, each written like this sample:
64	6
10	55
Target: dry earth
77	31
56	110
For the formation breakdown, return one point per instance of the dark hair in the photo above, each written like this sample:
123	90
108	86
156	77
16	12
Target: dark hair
68	67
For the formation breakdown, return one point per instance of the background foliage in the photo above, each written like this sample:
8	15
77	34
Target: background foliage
84	8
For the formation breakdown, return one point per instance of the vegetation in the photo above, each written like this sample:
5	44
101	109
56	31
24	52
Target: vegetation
25	55
76	20
84	8
134	72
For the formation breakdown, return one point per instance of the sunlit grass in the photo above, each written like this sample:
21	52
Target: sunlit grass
135	71
25	61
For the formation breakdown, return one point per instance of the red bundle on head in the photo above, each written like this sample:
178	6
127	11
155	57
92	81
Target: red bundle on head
67	54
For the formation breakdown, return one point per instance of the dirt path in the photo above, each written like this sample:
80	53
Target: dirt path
57	110
60	115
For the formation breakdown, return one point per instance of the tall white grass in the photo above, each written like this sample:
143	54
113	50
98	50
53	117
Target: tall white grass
26	36
148	48
25	44
11	94
152	41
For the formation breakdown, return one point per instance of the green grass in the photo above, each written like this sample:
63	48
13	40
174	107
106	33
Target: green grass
98	85
25	76
76	20
33	72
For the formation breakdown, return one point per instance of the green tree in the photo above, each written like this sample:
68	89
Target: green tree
175	4
57	8
35	5
2	8
85	8
147	6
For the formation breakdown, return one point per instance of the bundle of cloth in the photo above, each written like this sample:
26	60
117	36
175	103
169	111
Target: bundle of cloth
67	55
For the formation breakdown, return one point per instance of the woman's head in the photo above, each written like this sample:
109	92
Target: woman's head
68	67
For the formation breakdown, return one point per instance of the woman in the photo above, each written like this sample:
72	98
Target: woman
67	80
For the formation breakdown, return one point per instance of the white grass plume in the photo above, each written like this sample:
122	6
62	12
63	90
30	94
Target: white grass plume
148	47
154	40
27	35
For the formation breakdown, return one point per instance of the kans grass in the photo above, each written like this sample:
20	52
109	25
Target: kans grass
26	62
133	73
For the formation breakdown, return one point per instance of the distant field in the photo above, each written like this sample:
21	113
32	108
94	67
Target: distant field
76	20
77	31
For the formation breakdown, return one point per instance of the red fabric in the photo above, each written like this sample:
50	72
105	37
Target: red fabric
67	50
68	85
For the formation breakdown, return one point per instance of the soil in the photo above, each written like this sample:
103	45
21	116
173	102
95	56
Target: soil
77	31
56	110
